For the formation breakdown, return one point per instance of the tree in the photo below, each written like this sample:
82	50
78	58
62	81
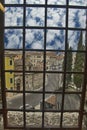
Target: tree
69	66
79	62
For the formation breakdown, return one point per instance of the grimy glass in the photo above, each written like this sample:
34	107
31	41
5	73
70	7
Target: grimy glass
36	81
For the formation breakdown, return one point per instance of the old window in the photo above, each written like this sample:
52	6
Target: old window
52	93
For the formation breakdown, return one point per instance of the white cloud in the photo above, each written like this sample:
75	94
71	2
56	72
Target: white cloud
13	1
57	2
14	38
77	18
35	1
56	17
34	36
14	16
35	17
78	2
37	45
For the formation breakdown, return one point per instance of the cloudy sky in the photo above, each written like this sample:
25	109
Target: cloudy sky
56	17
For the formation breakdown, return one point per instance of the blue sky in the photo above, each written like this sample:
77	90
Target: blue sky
36	17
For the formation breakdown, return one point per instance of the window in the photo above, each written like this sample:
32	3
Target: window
10	62
11	80
55	93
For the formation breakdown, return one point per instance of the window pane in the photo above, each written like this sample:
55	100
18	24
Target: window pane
77	18
34	61
72	102
55	40
76	40
52	102
33	119
75	62
13	39
15	119
77	2
34	39
54	82
14	100
14	81
14	16
52	119
56	17
57	2
70	119
32	101
35	1
34	16
14	1
33	81
74	82
54	61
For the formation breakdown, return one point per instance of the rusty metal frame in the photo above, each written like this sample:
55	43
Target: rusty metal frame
44	72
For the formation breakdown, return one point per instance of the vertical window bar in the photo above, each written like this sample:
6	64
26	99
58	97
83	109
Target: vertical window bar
44	69
24	17
65	61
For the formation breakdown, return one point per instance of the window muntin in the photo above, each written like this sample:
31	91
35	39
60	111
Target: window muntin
43	114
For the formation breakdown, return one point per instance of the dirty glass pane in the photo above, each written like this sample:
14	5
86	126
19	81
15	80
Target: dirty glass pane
56	17
33	119
74	82
35	16
75	62
79	22
34	61
53	102
54	82
34	39
15	119
14	1
33	81
35	1
72	102
55	40
13	60
14	81
52	119
70	119
33	101
14	16
77	2
76	40
14	100
54	61
13	39
56	2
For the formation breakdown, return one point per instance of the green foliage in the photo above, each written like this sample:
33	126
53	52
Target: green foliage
79	62
69	66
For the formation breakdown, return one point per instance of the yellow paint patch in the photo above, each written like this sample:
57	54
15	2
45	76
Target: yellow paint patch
2	8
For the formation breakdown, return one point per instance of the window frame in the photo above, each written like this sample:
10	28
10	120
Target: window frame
2	49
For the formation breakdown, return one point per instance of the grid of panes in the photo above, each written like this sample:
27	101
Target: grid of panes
40	76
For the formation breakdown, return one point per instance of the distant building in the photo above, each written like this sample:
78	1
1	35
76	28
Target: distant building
9	76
